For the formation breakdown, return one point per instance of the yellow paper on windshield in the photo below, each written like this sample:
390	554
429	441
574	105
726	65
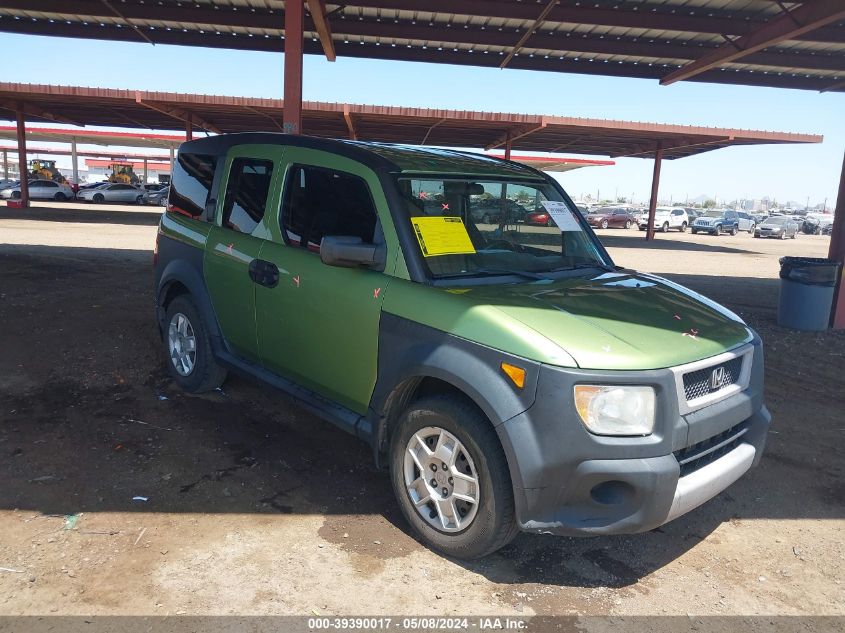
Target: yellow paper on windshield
441	235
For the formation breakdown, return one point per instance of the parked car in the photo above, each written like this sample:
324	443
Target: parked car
665	218
39	190
505	387
718	221
540	218
780	227
605	217
494	211
817	224
92	185
157	197
746	219
112	192
154	186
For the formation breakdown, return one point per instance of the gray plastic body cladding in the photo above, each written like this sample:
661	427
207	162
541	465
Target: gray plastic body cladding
408	349
183	263
556	462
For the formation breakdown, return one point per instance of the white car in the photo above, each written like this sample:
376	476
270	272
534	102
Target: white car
113	192
39	190
665	218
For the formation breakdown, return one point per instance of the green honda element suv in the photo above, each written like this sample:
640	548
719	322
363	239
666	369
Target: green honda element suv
510	377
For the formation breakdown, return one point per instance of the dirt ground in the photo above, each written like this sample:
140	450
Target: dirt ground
121	495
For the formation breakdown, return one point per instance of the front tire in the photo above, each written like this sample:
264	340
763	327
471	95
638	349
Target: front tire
664	228
188	348
683	227
467	509
604	224
628	224
139	199
718	229
98	198
60	197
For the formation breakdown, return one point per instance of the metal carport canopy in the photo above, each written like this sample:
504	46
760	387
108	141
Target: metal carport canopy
419	126
787	43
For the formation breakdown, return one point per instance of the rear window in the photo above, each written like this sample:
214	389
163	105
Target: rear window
191	184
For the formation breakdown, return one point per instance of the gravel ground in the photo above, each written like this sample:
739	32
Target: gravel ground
120	495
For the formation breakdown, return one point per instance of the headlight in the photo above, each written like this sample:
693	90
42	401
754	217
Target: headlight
616	410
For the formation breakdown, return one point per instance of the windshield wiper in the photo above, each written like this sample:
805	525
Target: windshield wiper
496	271
582	265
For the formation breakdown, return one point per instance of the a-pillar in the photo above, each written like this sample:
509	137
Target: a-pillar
655	186
24	170
294	27
837	252
74	161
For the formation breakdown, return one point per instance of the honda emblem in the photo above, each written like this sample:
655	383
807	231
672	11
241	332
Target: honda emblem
717	378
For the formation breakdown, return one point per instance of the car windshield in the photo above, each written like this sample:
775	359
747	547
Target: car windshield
477	228
713	214
776	220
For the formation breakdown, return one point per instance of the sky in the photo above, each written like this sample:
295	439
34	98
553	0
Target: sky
782	172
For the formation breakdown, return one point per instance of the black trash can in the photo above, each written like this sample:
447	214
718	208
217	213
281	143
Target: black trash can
807	285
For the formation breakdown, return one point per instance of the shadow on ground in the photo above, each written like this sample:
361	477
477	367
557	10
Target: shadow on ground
90	422
149	216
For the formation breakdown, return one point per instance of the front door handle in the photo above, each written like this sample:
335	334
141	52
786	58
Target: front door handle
263	272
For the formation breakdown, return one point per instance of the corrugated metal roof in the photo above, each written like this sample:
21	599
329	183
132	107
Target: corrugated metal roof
409	125
635	38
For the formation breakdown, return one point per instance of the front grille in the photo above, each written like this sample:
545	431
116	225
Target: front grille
698	455
700	383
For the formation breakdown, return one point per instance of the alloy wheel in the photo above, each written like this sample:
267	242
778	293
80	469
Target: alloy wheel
182	344
441	479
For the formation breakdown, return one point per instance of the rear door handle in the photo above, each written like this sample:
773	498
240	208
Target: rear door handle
263	272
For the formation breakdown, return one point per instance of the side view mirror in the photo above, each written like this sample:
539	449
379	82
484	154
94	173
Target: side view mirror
349	252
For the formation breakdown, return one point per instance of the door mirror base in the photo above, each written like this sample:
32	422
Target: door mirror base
350	252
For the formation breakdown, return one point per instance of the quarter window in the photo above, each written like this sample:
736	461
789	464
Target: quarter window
191	184
246	193
321	202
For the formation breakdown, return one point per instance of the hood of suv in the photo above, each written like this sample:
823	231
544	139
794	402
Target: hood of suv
708	220
620	320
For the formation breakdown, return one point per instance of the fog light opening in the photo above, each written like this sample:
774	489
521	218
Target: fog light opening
612	493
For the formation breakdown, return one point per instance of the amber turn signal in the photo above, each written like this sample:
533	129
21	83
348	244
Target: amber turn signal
516	374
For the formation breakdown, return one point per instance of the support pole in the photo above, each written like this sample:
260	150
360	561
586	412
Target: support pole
147	173
5	165
508	147
189	128
655	186
24	171
294	27
74	161
172	159
837	252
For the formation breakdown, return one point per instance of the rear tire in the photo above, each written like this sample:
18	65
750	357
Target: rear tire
98	198
628	224
683	227
139	199
492	520
16	195
604	224
201	372
734	229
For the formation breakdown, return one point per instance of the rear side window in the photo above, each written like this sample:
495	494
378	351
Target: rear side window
191	184
321	202
246	193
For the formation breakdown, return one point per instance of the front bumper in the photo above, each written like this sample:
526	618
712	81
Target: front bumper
570	482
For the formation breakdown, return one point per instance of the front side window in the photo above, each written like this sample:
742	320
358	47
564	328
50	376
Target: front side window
320	202
193	175
246	193
476	228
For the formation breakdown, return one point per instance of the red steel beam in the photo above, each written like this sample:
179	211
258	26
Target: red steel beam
350	123
655	186
294	26
317	8
803	19
837	252
189	128
22	166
